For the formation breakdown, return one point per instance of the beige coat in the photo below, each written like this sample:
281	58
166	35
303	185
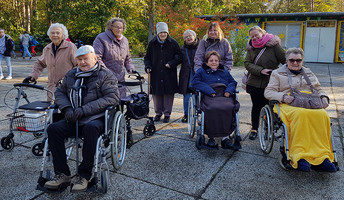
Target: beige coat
57	66
279	86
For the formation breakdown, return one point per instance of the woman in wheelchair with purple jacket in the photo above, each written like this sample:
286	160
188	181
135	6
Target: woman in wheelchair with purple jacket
220	110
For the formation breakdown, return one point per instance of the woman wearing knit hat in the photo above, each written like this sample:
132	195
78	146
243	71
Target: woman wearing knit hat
214	41
161	60
187	70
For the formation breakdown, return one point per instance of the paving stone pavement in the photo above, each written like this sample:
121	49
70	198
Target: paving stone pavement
168	165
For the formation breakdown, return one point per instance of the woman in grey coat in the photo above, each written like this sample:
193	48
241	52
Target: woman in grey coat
112	50
214	41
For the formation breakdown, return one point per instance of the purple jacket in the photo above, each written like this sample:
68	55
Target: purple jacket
113	54
222	47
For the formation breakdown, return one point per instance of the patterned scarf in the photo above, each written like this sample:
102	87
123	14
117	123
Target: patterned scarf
75	96
260	43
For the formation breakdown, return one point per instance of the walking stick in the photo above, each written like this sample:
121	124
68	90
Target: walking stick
148	71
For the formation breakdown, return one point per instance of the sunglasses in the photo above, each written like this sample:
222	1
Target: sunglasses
295	60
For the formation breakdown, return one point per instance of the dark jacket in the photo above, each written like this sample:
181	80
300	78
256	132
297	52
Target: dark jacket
270	59
9	45
206	76
186	68
101	91
163	80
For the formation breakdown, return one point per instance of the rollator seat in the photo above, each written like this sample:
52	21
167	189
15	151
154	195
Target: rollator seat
37	105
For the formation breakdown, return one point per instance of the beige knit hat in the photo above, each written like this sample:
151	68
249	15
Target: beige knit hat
161	27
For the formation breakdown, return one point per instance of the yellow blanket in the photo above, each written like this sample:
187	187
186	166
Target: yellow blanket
309	134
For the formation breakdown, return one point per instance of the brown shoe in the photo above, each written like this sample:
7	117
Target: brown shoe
79	184
59	180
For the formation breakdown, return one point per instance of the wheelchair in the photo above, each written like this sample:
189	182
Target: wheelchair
112	143
271	128
28	116
196	122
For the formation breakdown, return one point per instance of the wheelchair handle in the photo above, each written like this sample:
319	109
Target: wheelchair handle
28	85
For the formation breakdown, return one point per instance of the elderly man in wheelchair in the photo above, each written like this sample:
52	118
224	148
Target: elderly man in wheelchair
308	140
83	96
218	102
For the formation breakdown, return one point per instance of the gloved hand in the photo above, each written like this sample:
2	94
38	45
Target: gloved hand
78	114
29	79
69	113
148	69
325	102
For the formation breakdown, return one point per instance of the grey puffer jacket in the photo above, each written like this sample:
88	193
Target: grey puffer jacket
101	91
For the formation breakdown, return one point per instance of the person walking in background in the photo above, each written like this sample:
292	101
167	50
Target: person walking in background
57	56
6	46
112	50
161	60
214	41
187	69
34	43
25	40
262	57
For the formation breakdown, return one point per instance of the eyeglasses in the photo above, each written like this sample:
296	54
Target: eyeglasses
118	27
295	60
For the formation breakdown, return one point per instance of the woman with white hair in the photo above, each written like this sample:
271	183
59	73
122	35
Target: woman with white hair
57	56
187	69
112	50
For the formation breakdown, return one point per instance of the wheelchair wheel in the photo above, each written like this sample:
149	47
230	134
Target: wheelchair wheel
7	143
200	140
118	140
37	134
149	130
38	149
191	117
265	130
104	181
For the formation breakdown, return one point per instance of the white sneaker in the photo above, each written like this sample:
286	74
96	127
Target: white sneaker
8	77
1	77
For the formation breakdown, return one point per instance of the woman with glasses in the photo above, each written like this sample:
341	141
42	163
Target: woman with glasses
112	50
214	41
309	130
263	55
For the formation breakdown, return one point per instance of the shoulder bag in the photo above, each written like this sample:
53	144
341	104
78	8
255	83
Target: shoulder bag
305	100
247	75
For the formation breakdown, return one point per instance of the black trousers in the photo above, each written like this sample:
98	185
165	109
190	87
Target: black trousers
258	102
59	131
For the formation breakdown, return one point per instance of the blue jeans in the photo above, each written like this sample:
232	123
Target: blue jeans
186	103
26	51
8	62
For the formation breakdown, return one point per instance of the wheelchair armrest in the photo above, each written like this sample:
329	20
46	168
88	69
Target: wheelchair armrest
109	108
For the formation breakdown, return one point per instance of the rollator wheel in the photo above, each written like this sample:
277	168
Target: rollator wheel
191	117
149	130
200	140
118	140
265	130
37	134
7	143
104	181
38	149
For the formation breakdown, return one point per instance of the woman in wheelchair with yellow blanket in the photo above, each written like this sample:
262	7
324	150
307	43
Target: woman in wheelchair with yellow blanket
308	124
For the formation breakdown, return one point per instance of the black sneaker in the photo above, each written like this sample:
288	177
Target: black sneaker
185	119
166	119
253	135
227	144
157	118
211	142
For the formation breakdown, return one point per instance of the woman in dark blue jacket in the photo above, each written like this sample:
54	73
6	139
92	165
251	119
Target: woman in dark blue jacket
218	103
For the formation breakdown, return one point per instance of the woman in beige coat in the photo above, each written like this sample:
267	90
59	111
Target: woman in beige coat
309	130
58	57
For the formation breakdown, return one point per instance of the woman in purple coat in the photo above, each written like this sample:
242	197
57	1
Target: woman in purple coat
112	50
